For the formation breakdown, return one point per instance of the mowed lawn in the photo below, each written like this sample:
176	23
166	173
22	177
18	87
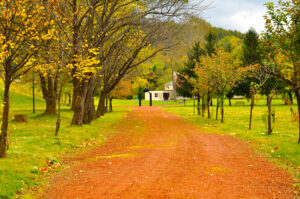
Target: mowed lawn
34	151
281	146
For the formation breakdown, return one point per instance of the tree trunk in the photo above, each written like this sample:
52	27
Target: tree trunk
251	111
222	109
5	116
229	99
101	105
33	93
203	106
70	99
110	104
49	90
297	93
198	104
58	116
269	100
106	104
50	107
89	107
194	105
87	116
217	109
290	97
208	106
81	91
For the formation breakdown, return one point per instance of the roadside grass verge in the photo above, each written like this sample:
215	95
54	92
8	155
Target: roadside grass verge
281	146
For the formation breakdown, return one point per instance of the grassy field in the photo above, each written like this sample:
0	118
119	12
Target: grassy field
281	146
34	150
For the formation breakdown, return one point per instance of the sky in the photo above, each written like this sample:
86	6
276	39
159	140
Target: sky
237	14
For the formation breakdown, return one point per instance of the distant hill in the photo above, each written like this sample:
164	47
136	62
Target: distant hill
221	32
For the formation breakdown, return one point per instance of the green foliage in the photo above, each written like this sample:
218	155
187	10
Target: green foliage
184	87
273	84
231	44
221	33
210	43
251	54
251	48
281	44
282	24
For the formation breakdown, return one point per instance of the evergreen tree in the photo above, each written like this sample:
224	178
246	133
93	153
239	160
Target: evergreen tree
251	55
184	87
251	50
211	42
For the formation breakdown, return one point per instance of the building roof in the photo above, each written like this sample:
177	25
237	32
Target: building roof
169	83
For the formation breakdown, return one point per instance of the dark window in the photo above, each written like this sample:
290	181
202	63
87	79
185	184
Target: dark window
156	95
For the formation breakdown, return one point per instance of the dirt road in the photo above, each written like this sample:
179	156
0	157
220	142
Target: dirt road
159	155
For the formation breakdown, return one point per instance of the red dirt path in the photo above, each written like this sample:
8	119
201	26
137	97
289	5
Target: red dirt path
159	155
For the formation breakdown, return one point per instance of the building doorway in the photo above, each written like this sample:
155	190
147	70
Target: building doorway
166	96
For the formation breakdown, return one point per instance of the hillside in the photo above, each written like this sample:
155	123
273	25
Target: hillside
21	97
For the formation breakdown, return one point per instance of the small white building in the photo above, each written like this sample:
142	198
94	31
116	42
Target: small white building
162	95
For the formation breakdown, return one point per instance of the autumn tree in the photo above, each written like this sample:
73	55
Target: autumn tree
22	35
210	49
150	31
282	43
108	39
47	59
218	72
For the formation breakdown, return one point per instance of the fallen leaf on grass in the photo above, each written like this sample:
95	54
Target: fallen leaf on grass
44	170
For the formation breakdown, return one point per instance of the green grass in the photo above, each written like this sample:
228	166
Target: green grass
284	137
34	143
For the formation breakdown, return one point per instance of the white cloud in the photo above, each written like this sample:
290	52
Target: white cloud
243	20
237	14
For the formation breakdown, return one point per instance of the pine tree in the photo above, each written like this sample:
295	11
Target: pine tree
251	55
185	88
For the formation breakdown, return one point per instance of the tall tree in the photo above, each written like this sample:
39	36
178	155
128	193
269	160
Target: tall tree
22	34
282	43
251	55
210	48
219	73
185	87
